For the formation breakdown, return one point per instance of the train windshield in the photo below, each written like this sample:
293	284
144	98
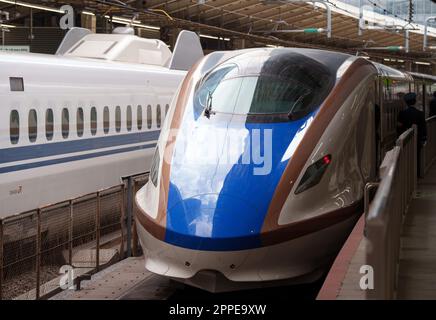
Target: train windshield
276	84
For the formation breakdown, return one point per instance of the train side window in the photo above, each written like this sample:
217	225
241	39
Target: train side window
65	123
79	122
149	117
93	121
14	126
129	118
49	124
106	120
16	84
158	116
139	117
33	125
118	119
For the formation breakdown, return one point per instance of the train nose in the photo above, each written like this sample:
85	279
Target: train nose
214	222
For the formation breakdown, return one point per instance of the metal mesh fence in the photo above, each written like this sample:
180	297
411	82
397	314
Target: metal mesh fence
110	233
54	239
84	230
19	255
86	233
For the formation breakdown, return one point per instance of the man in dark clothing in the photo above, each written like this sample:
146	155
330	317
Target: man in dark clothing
412	116
433	105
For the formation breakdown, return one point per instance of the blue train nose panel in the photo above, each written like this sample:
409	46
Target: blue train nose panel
213	222
219	203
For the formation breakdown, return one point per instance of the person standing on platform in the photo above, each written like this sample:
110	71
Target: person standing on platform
412	116
433	105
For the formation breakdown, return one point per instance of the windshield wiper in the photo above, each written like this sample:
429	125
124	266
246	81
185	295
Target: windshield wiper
291	112
208	111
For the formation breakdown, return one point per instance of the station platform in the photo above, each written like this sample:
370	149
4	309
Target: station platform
128	279
417	264
125	280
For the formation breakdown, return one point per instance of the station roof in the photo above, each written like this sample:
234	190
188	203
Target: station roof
260	22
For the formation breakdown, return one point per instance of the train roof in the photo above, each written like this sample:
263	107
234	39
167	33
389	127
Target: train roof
331	60
121	48
391	72
421	76
72	62
81	47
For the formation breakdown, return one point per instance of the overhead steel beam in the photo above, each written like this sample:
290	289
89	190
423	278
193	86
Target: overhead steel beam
159	4
227	7
285	17
328	11
184	7
235	10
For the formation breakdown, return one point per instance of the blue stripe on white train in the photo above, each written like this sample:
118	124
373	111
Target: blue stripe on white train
78	121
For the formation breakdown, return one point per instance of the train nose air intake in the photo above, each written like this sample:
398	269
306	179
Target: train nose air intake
214	222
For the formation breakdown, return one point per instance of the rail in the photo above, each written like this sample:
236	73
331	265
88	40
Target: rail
387	211
83	234
386	214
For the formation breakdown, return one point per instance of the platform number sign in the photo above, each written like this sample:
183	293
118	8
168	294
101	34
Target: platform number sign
67	20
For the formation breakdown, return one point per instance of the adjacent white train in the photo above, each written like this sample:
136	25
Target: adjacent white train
79	121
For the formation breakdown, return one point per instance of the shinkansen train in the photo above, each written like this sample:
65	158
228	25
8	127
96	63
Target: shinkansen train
80	120
258	176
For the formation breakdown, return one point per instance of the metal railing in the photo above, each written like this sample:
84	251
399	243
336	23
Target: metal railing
384	221
87	233
386	213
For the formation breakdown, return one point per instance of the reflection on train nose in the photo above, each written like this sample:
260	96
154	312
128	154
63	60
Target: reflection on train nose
213	221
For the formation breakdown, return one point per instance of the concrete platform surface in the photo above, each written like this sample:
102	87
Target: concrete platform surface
125	280
417	265
417	271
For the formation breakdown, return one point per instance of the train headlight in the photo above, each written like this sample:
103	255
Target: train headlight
313	174
155	167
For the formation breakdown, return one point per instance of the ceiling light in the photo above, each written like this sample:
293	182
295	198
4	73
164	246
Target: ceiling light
139	25
28	5
2	25
423	63
213	37
123	19
88	13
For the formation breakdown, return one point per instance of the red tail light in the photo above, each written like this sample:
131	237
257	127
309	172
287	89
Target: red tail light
313	174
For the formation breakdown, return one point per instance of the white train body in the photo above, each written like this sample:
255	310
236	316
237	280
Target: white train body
76	123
